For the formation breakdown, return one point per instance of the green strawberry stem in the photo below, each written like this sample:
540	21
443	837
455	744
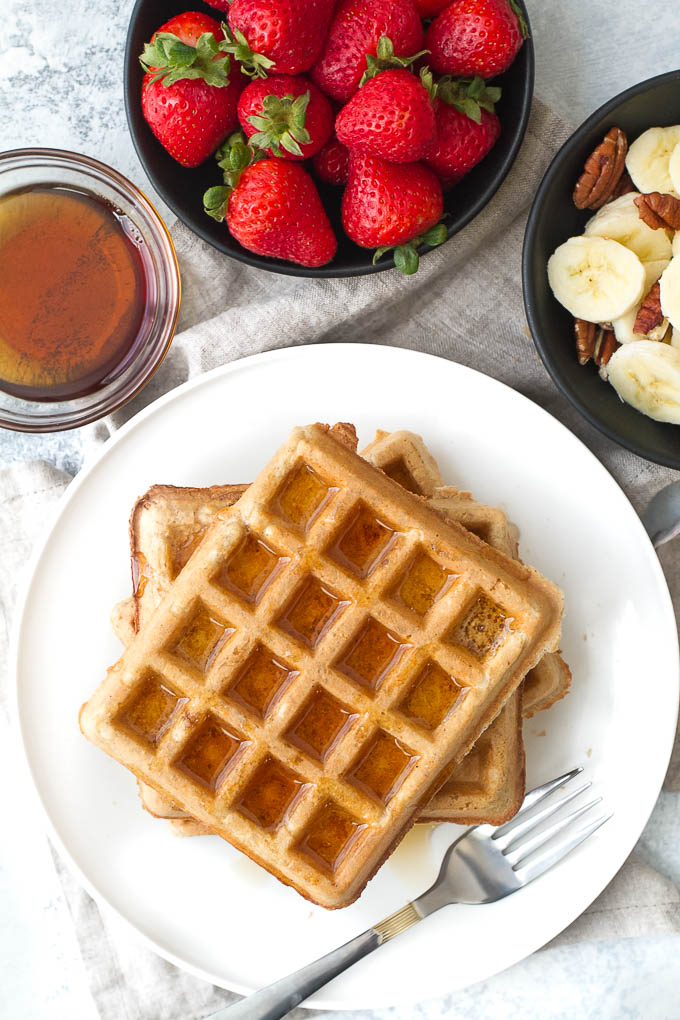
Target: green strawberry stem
469	95
406	257
255	65
170	60
385	58
233	156
282	124
523	27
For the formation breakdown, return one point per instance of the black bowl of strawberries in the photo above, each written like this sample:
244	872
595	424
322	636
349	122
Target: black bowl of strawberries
323	138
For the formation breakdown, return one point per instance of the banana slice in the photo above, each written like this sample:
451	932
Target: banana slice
675	338
649	156
676	243
647	376
674	168
620	221
653	271
669	292
596	279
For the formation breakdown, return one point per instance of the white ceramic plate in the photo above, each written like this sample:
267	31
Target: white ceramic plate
197	901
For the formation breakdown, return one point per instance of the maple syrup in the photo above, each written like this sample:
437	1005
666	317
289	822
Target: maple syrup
331	835
371	655
73	293
271	795
363	542
383	767
210	753
310	613
320	725
250	569
261	681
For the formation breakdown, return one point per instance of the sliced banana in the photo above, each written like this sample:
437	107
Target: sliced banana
675	338
649	156
620	221
595	278
653	271
676	243
669	292
647	376
674	168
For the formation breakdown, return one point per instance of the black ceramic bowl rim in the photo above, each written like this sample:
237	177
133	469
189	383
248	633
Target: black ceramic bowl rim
454	224
544	342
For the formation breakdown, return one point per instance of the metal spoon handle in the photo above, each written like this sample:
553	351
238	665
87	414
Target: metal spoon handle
277	999
662	517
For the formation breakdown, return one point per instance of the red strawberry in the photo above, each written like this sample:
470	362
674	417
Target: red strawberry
331	164
287	117
274	209
387	204
476	37
189	27
425	8
391	116
279	35
190	90
355	30
467	129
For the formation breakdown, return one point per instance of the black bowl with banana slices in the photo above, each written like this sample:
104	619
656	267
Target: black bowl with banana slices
601	269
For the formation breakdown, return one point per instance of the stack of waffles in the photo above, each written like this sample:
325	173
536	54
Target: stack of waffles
319	659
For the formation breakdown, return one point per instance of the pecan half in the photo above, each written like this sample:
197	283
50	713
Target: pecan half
602	171
585	340
659	211
605	345
650	315
594	341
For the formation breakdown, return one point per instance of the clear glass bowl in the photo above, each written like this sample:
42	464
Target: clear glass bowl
23	168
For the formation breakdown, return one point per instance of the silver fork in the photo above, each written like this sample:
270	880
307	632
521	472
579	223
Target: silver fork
483	865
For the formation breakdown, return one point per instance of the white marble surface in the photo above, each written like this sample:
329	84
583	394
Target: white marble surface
61	85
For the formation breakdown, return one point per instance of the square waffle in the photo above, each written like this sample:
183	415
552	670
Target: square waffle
271	696
488	785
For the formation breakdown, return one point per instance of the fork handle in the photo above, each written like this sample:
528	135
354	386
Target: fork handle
277	999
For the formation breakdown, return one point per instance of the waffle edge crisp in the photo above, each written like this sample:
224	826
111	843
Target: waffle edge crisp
293	582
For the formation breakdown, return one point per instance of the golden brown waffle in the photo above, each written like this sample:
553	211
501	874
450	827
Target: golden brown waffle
488	785
330	652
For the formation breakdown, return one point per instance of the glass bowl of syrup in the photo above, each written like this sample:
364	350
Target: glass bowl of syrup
89	290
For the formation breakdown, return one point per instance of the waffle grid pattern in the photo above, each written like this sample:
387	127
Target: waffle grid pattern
488	783
299	600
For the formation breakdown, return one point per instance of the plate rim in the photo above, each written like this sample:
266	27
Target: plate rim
61	508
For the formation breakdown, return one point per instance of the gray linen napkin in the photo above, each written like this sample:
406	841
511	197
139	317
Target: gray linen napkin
464	304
